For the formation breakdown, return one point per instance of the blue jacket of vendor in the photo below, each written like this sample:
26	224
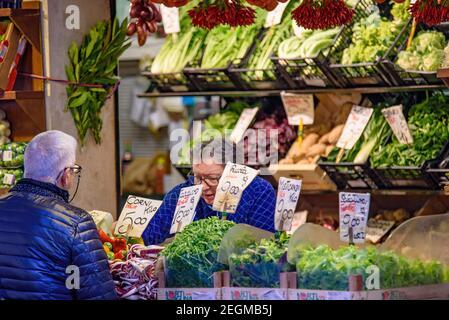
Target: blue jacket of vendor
256	208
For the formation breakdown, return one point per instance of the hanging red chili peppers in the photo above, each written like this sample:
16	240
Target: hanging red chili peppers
211	13
430	12
322	14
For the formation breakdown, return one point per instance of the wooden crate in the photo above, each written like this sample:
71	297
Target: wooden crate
312	176
355	292
237	293
189	293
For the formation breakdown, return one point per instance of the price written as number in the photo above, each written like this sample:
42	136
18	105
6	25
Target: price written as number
354	126
396	120
287	199
185	208
233	182
136	215
354	209
298	107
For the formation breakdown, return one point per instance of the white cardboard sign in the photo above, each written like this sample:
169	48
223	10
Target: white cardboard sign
230	188
354	126
170	19
354	209
274	17
287	198
185	208
136	215
297	107
396	120
243	123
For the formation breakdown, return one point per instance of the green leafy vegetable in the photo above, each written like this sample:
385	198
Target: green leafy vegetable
322	268
191	259
429	126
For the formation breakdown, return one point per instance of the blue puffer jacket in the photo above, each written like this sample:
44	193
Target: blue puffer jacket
40	236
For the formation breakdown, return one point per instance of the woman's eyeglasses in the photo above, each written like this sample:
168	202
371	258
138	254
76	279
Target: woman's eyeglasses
210	181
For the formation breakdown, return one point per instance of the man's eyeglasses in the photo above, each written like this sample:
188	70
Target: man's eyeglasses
210	181
76	170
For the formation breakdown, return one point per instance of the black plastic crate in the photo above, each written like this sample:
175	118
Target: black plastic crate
351	176
170	82
438	169
217	79
410	77
405	178
257	79
373	73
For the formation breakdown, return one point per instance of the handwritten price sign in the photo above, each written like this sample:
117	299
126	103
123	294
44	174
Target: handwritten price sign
243	123
230	188
354	126
354	209
274	17
287	198
185	208
136	215
170	19
297	107
396	120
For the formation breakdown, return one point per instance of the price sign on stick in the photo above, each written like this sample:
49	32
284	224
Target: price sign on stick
243	123
232	183
136	215
354	126
354	209
287	198
170	19
396	120
185	208
274	17
7	155
298	107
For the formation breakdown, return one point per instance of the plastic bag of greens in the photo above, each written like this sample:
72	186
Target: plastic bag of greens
12	155
259	265
424	237
191	258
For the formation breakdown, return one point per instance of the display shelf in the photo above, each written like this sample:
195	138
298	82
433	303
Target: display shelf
266	93
21	95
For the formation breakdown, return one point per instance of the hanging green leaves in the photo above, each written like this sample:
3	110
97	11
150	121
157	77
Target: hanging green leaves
93	63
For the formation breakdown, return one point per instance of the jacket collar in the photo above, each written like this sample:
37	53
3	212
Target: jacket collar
41	188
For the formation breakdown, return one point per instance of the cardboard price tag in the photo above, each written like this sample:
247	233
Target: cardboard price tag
396	120
136	215
376	229
354	209
7	155
287	198
274	17
297	107
354	126
235	179
170	19
185	208
243	123
9	179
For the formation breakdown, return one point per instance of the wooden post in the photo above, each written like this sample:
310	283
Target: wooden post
161	279
355	282
292	282
283	279
217	280
226	278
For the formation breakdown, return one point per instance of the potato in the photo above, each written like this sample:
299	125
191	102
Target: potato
324	139
304	161
308	142
294	151
335	134
286	161
316	150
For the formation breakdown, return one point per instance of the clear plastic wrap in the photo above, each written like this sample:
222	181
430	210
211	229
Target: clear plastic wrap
424	238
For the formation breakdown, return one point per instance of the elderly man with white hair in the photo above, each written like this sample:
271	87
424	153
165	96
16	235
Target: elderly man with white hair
50	249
